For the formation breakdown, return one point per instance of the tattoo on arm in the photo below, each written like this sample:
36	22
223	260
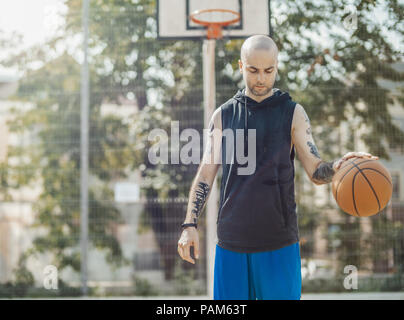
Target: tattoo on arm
307	120
313	149
324	172
201	193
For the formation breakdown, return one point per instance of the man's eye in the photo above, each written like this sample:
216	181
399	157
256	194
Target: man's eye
255	71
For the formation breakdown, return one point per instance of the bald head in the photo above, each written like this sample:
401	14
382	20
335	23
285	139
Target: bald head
259	66
258	42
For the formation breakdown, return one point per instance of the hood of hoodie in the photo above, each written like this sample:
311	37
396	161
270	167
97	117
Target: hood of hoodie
277	97
272	101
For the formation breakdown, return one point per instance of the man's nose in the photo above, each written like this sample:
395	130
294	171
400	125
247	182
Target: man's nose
260	76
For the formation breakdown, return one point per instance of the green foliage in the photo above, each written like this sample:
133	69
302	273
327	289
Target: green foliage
185	283
23	284
143	287
23	280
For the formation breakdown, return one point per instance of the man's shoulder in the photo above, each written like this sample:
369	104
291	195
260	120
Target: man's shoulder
223	108
228	105
298	107
217	114
299	116
299	111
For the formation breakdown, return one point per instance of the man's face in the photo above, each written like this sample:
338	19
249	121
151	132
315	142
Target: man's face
259	72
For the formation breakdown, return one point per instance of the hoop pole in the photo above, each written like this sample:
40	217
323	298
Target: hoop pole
271	33
209	99
84	141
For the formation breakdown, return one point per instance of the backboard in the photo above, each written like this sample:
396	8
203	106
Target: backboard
173	18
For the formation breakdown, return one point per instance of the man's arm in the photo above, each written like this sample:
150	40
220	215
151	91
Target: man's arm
319	171
205	176
201	187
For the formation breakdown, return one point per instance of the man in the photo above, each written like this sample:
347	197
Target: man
257	255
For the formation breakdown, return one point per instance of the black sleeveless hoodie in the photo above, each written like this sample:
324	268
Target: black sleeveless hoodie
258	211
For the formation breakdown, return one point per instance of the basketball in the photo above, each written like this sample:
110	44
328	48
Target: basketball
362	187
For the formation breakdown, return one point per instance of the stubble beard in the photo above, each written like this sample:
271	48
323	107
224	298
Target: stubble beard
260	93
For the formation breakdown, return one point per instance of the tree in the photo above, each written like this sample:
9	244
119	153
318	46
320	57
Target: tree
52	160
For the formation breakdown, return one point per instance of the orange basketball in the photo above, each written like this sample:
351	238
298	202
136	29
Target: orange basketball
362	187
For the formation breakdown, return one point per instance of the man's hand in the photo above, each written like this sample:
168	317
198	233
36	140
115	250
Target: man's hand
189	237
337	164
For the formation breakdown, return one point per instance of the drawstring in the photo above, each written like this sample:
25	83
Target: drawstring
245	127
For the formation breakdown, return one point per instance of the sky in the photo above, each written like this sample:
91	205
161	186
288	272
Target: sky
36	21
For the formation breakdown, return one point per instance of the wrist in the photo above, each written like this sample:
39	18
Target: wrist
189	225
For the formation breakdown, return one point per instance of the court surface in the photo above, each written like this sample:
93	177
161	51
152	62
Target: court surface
308	296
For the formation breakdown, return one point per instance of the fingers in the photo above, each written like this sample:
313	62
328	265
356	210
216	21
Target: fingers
184	250
187	256
196	249
338	164
351	155
180	251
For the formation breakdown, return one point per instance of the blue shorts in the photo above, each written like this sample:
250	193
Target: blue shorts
269	275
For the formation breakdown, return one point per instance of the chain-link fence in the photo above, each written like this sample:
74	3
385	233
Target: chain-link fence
139	83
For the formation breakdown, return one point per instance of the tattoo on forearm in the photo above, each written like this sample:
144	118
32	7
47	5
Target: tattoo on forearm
313	149
308	130
201	193
324	172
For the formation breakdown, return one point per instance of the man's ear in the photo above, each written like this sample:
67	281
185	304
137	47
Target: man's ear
240	65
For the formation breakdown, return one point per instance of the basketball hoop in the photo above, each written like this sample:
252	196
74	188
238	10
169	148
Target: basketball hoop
214	28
